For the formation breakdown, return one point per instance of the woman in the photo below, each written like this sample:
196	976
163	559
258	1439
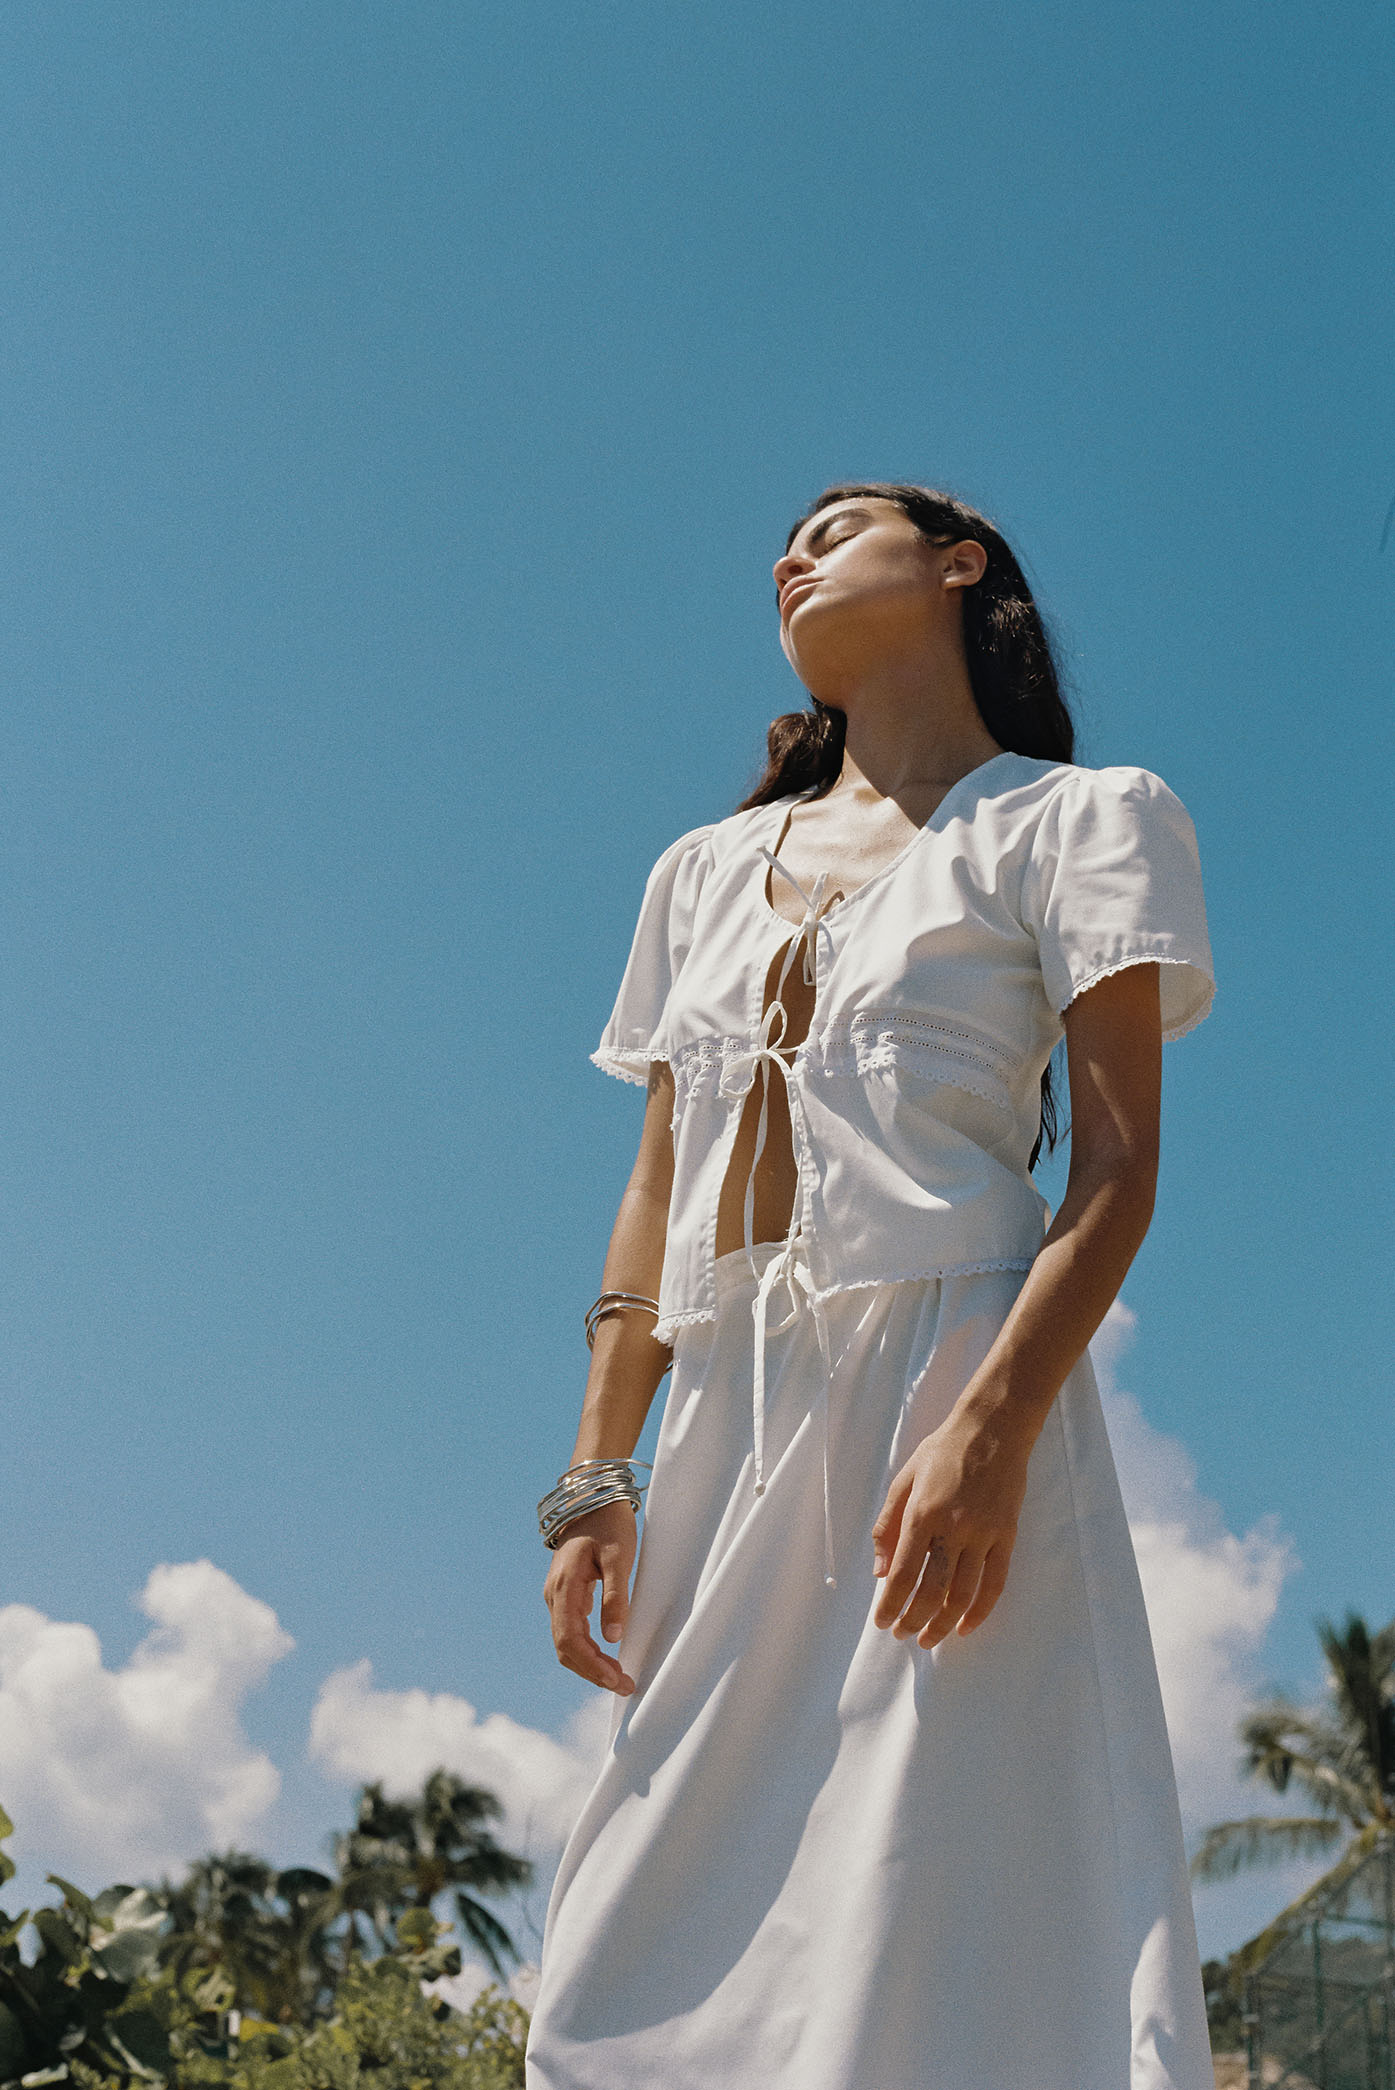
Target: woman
888	1803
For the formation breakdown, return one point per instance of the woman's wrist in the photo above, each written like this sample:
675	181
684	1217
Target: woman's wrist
1009	1416
588	1486
593	1523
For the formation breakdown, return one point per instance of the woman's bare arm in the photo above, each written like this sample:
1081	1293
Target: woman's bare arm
945	1535
626	1367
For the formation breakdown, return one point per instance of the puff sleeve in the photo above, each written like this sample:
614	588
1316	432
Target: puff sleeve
634	1035
1114	879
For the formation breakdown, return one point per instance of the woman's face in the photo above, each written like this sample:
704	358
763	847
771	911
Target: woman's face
859	581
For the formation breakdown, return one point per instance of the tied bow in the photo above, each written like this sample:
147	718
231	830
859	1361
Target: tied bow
810	926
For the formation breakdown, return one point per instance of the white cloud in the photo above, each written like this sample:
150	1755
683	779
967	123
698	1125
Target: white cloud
1211	1596
359	1733
125	1773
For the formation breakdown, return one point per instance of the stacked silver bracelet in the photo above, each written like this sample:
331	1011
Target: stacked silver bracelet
594	1483
615	1303
591	1484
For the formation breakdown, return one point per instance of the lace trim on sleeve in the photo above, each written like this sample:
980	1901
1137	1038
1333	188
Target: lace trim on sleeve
626	1066
1181	1025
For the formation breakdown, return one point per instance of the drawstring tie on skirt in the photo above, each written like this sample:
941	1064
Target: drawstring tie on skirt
790	1267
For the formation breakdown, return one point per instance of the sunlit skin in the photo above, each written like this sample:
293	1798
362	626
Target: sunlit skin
871	622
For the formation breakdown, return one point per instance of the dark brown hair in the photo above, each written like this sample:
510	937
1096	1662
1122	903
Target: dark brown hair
1012	672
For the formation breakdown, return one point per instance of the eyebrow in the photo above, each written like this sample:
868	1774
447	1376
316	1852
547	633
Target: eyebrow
831	516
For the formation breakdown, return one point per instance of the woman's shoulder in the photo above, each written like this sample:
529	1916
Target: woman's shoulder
1030	778
701	846
1028	793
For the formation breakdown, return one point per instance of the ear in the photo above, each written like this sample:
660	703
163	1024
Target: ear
963	563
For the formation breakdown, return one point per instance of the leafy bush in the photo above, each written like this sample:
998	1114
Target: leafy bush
387	2033
70	2013
118	1997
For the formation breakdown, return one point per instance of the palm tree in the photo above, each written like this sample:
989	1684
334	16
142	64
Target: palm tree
403	1854
267	1930
1342	1759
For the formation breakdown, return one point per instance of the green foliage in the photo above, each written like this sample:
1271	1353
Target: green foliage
287	1939
1342	1759
385	2033
388	2033
245	1978
407	1853
69	2014
269	1932
1225	2015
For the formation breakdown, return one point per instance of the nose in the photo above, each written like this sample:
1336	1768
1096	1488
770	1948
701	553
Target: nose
792	563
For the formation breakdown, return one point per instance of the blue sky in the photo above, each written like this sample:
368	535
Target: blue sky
402	409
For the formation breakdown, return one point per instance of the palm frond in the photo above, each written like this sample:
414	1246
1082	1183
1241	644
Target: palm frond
1305	1905
1355	1684
1350	1794
1329	1762
1262	1839
1280	1730
1383	1653
485	1931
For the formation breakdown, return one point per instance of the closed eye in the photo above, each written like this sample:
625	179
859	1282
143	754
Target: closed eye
827	536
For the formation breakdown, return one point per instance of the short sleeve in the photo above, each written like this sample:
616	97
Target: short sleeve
663	933
1115	879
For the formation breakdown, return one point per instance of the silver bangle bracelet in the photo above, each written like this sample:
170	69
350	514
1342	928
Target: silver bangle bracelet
589	1485
614	1303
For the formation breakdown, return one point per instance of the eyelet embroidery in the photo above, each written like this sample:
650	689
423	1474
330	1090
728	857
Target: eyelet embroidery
925	1045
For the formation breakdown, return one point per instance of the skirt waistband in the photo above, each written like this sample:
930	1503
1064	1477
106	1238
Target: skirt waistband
733	1270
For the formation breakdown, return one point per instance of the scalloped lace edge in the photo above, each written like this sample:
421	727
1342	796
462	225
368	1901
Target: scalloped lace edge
625	1065
866	1284
665	1330
1171	1030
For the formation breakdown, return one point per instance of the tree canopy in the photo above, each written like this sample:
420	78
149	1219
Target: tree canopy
253	1978
1341	1757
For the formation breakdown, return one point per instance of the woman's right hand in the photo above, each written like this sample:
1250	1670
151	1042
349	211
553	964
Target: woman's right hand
599	1547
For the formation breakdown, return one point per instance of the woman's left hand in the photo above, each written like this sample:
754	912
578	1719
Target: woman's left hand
945	1535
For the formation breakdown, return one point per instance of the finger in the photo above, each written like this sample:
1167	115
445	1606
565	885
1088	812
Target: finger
571	1588
990	1588
907	1565
596	1667
570	1596
571	1580
964	1581
887	1529
929	1592
578	1651
615	1593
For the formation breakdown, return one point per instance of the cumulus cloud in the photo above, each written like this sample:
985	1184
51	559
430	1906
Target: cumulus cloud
1211	1595
129	1772
359	1733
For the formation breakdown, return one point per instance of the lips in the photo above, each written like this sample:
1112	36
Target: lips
796	587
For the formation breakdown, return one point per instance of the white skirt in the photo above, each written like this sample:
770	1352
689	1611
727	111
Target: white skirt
818	1858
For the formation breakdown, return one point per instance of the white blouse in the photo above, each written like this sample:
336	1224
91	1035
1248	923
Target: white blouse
939	989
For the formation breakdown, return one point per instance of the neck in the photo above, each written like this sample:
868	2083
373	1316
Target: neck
912	726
